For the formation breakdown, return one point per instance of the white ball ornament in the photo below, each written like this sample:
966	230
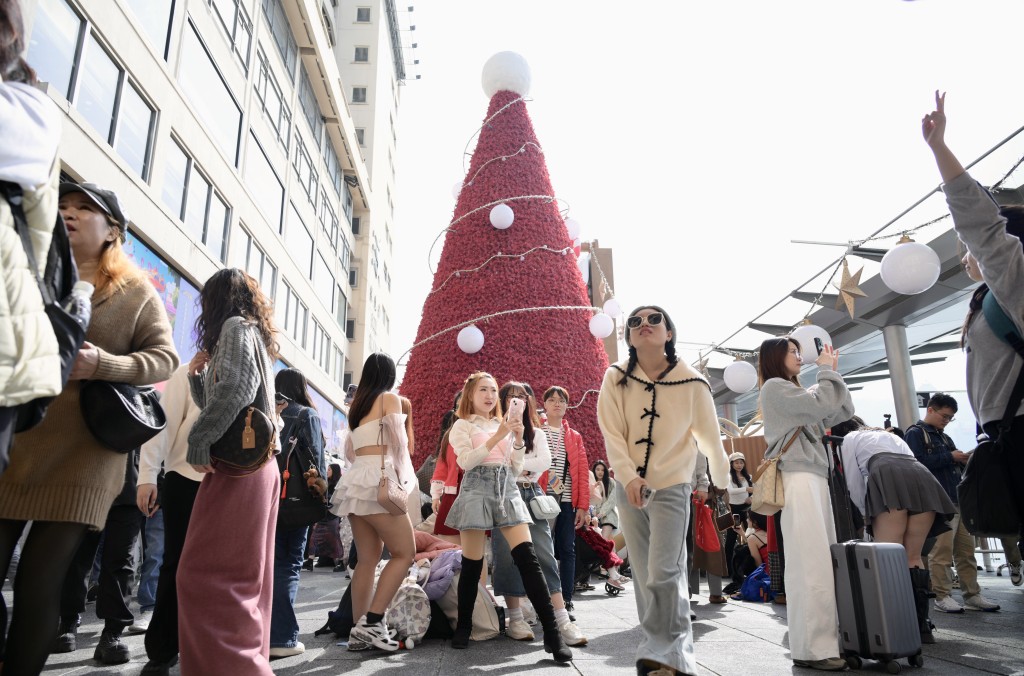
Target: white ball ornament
740	376
502	216
573	227
506	71
471	339
601	325
910	267
805	335
612	307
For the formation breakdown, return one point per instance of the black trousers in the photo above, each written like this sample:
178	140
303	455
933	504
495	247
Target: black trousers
730	544
117	565
177	497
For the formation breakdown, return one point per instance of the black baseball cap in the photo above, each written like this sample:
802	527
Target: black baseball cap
107	200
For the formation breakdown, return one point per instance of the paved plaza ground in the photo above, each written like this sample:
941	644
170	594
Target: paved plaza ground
733	639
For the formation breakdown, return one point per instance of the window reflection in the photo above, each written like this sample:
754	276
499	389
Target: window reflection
54	41
175	175
134	123
263	183
97	87
298	242
155	18
208	94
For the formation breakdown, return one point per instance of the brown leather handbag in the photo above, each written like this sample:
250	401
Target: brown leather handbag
390	494
251	439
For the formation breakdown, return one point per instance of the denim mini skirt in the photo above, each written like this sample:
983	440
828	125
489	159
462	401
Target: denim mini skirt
488	498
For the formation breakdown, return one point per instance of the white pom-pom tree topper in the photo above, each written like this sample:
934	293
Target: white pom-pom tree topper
506	71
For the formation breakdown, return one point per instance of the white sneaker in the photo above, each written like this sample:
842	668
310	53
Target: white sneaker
1015	574
283	651
141	623
571	634
519	630
948	605
378	634
979	602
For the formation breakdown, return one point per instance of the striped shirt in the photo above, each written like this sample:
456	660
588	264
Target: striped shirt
559	463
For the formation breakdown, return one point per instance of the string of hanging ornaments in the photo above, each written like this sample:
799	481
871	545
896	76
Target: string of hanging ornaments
909	268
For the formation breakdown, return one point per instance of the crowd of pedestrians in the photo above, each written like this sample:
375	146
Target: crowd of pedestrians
219	529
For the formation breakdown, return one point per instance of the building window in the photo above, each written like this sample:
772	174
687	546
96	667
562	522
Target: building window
362	55
361	136
175	179
387	276
264	185
339	366
269	92
325	17
282	32
133	138
350	329
298	241
258	265
344	254
321	347
209	95
375	257
195	202
348	380
292	314
341	311
155	17
328	220
323	281
98	81
353	277
238	26
54	47
333	166
362	15
346	201
355	225
359	95
305	174
310	107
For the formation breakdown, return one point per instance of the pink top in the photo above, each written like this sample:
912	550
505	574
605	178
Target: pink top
469	438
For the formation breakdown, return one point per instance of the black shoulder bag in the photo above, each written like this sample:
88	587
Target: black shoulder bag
300	506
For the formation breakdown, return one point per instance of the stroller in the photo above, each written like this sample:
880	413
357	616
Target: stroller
594	552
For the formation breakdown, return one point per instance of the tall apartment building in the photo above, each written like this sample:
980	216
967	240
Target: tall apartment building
371	60
596	261
224	126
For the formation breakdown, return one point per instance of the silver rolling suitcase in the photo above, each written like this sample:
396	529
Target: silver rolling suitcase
877	617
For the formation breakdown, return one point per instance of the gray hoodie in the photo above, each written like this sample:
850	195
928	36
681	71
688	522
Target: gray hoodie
785	407
992	365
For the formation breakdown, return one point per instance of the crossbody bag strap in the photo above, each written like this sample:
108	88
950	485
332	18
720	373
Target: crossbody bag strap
15	196
263	377
789	443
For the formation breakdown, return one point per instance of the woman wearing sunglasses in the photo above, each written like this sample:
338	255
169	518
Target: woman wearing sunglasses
654	412
796	419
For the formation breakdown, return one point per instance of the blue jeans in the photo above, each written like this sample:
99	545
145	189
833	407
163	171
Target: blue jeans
289	547
657	555
506	578
153	529
564	536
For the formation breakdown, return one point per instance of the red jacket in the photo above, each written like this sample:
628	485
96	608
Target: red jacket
579	467
447	474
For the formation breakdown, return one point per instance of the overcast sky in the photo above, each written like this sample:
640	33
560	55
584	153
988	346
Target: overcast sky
696	139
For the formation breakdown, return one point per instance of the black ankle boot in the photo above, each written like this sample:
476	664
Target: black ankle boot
469	581
110	649
920	581
67	635
537	590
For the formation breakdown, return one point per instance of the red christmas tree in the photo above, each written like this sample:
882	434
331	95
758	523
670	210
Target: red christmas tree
484	270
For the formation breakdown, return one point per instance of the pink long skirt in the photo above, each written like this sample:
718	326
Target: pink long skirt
226	575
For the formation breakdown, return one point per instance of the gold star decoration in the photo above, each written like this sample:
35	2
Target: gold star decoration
849	289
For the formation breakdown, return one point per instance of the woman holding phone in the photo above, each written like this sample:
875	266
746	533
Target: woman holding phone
654	411
491	449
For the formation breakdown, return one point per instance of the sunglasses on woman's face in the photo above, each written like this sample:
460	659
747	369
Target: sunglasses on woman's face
636	321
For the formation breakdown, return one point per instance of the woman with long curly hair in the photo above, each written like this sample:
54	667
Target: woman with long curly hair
226	573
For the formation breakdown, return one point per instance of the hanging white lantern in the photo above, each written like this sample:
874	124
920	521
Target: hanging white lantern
740	376
573	227
457	190
612	307
502	216
910	267
471	339
601	325
805	335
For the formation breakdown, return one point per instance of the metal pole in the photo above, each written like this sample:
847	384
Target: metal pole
729	411
901	374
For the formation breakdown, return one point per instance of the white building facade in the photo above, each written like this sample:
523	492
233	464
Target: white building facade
224	126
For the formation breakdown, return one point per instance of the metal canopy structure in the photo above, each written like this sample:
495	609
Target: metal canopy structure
932	319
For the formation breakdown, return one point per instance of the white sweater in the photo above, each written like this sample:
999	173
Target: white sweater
170	447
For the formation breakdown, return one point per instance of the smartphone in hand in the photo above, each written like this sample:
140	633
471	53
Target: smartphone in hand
515	409
646	493
818	345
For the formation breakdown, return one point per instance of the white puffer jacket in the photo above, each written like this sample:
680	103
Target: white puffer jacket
29	133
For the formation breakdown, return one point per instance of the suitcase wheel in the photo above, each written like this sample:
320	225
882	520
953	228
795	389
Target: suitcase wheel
916	660
614	591
893	667
854	662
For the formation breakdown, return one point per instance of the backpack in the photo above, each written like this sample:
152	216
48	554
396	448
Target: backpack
757	587
1001	324
68	316
298	507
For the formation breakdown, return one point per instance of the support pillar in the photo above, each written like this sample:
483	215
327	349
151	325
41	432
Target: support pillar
897	353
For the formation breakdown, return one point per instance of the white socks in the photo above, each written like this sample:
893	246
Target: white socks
515	614
561	616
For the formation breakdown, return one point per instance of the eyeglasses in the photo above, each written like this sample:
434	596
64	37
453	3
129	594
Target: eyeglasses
948	418
795	352
653	319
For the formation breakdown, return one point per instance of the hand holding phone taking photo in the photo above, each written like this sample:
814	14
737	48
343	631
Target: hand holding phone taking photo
515	409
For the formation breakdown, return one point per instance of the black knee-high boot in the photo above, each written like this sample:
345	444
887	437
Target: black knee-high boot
920	581
469	582
537	591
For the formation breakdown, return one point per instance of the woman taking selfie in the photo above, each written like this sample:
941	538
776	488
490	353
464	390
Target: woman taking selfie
654	411
798	417
490	447
226	572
